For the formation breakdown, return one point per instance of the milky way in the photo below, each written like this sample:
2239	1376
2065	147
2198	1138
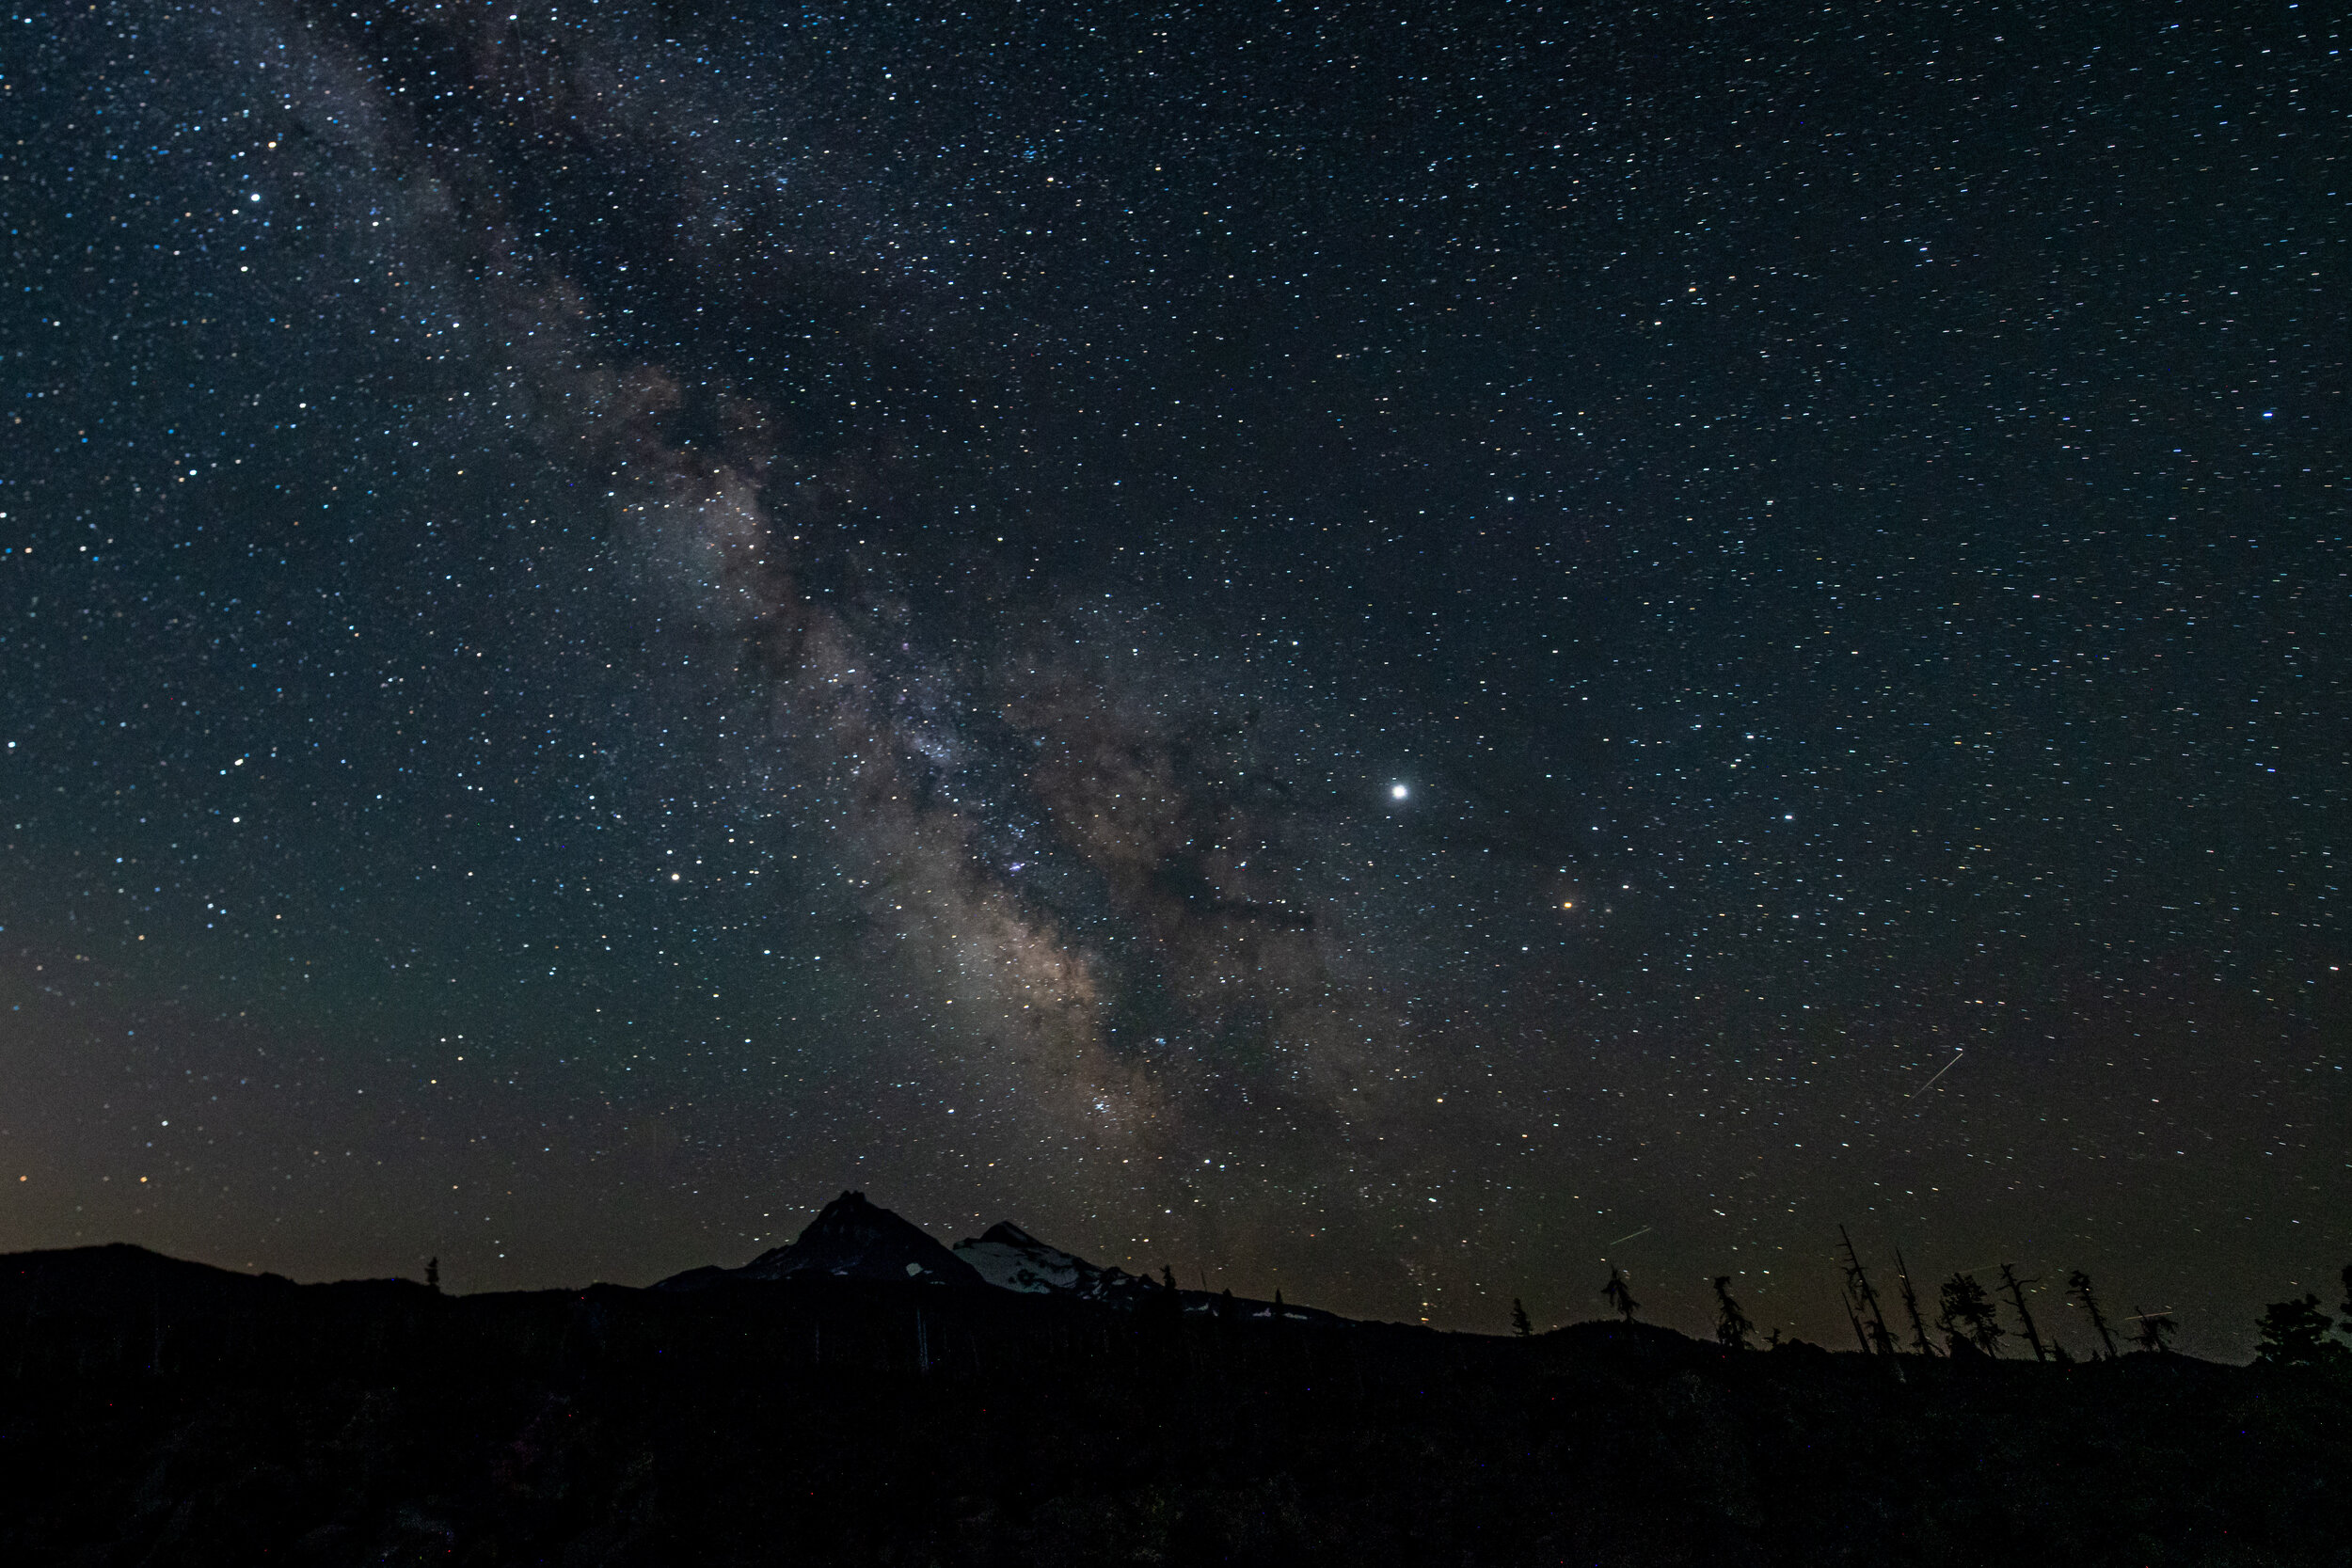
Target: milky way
1391	654
1103	858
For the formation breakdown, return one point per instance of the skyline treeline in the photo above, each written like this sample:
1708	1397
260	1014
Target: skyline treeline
1968	1323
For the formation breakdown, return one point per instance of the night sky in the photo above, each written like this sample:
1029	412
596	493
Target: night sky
1391	651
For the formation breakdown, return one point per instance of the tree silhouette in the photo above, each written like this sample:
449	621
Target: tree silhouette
2079	1283
2154	1329
2017	1297
1163	1305
1919	1340
1968	1317
1520	1325
1620	1299
1860	1338
2294	1333
1865	1299
433	1274
1732	1327
2347	1308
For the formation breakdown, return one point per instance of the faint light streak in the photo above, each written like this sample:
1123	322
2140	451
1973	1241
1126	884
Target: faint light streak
1958	1053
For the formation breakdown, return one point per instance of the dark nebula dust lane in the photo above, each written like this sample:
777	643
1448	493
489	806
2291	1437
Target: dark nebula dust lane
1400	654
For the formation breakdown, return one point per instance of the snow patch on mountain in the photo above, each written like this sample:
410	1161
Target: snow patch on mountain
1010	1258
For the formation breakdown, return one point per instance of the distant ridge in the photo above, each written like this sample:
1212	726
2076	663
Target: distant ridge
114	1263
851	1239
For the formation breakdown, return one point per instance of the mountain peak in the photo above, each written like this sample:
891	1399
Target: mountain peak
851	1238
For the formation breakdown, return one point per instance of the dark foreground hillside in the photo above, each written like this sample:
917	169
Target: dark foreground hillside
161	1412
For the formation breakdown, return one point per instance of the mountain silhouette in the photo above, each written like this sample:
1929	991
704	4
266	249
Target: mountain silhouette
1010	1258
855	1238
850	1238
155	1411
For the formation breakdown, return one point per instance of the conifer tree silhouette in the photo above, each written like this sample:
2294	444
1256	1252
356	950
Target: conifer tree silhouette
1166	1305
2079	1283
1732	1327
2347	1308
1520	1325
433	1274
2294	1333
1919	1340
1619	1297
2017	1297
1968	1317
2154	1329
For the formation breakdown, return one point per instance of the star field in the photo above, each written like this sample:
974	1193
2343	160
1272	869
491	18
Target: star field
1377	652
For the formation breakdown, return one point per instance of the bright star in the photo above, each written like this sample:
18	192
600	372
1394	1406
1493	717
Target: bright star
1397	792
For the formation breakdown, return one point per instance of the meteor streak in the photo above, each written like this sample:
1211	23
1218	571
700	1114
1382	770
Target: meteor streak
1957	1054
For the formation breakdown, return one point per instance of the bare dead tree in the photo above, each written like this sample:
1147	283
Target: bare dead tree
1866	1299
1919	1340
2017	1299
2079	1284
1859	1338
